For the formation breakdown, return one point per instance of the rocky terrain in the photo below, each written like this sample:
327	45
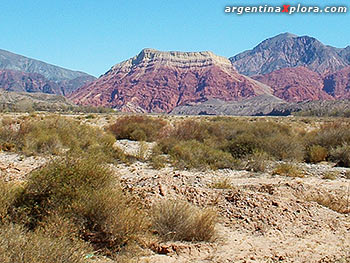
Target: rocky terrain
158	81
19	73
288	50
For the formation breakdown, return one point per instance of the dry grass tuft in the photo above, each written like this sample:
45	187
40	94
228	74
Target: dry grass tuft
181	221
222	183
288	169
19	245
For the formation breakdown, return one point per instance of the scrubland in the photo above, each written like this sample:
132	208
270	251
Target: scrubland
136	188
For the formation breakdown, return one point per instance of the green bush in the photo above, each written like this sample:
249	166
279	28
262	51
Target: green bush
138	128
178	220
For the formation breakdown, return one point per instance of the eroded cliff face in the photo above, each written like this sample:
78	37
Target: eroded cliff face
156	81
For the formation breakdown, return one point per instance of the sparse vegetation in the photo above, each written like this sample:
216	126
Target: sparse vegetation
75	206
332	140
220	143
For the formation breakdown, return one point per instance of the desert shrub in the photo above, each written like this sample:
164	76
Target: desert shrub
193	154
90	116
222	137
81	190
242	146
178	220
316	154
191	130
283	147
258	161
157	159
341	155
245	138
19	245
138	128
288	169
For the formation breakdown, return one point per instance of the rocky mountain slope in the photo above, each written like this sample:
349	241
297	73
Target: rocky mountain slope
158	81
295	84
61	81
287	50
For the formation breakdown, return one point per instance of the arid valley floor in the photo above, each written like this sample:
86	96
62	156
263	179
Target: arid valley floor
301	215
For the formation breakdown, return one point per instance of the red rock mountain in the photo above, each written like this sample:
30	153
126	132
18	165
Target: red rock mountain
155	81
338	84
295	84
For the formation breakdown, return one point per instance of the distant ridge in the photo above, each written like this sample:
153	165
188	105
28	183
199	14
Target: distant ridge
60	80
286	51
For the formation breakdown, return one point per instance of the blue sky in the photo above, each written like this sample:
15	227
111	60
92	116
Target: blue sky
93	35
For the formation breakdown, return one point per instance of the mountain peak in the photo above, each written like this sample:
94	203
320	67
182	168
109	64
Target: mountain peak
284	35
287	50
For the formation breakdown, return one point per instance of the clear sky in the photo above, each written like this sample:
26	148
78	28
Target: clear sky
93	35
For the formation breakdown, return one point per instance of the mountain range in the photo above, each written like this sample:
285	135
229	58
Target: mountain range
22	74
280	70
